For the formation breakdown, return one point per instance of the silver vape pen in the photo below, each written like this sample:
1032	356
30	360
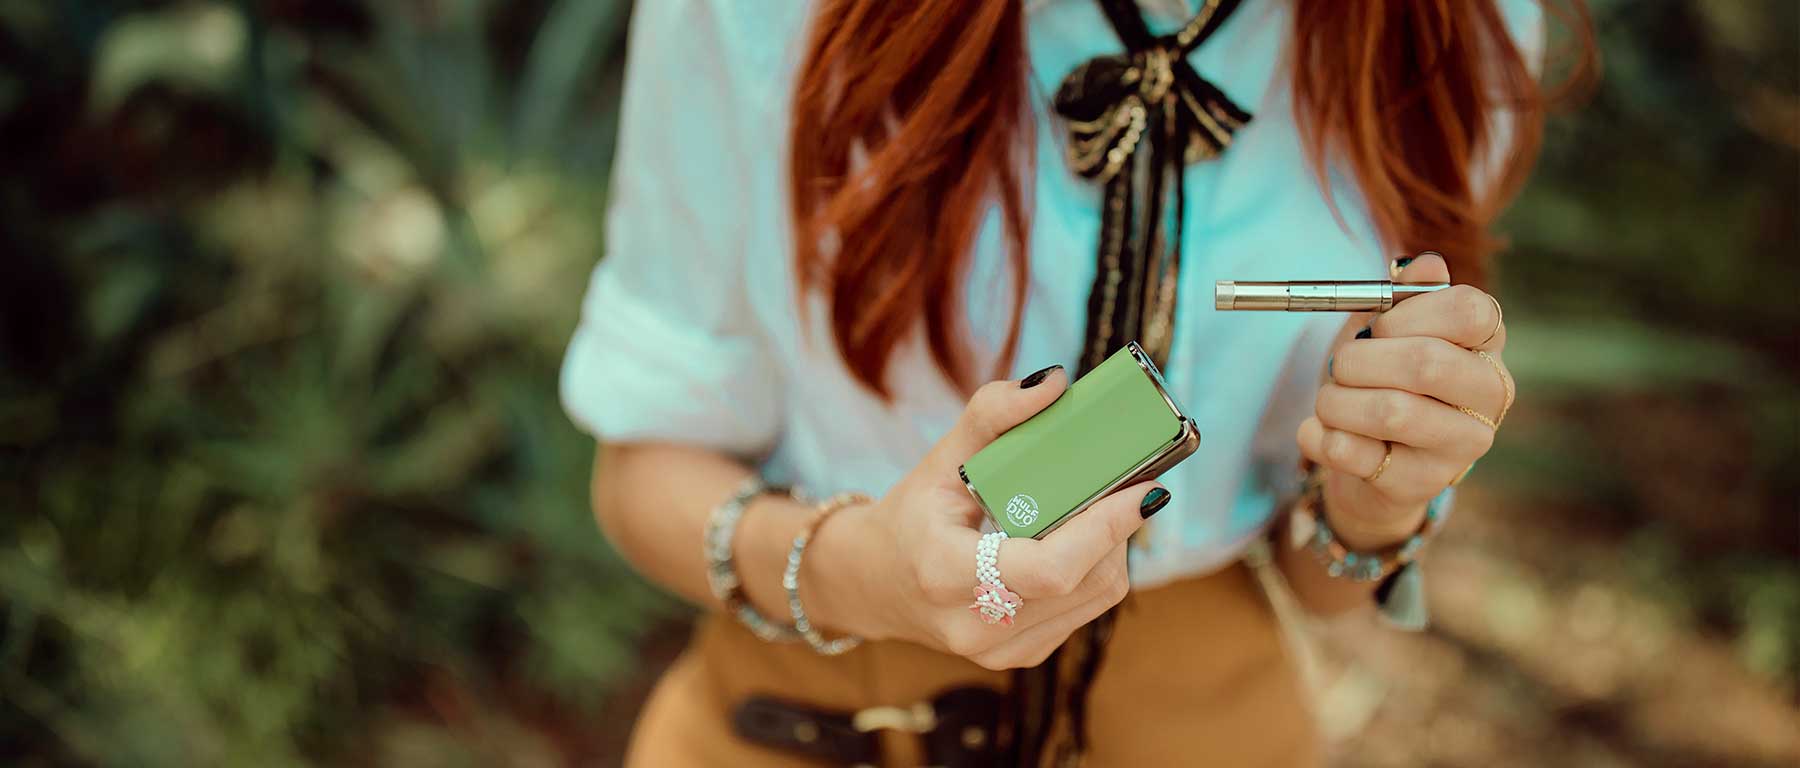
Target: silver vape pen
1316	296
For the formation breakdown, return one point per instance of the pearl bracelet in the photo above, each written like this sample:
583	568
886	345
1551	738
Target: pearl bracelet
790	579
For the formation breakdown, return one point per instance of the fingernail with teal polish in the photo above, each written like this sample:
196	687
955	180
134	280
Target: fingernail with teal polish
1401	262
1037	377
1153	502
1366	332
1329	362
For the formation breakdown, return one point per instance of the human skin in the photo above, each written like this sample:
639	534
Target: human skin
901	566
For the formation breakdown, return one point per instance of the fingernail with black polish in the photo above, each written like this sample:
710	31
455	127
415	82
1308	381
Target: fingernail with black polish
1366	332
1153	502
1037	378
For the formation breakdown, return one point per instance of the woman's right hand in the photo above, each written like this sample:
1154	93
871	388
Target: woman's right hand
904	567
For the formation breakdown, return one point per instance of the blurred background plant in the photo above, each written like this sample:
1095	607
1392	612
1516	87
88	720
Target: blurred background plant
284	286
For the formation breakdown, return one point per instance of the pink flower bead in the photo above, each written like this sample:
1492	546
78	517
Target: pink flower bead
998	596
991	615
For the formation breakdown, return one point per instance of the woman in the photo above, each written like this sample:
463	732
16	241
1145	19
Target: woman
829	223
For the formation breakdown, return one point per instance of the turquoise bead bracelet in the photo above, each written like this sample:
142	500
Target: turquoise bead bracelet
1311	530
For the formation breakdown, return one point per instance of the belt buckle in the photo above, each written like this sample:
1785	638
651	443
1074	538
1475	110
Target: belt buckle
918	718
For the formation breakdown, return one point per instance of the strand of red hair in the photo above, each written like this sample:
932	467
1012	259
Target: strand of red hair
912	119
909	119
1433	108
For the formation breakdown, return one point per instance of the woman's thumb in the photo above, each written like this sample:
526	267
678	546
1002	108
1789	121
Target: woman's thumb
997	407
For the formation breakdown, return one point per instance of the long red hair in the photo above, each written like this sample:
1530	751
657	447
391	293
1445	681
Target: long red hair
911	119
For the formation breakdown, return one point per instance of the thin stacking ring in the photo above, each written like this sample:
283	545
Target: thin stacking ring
994	603
1499	320
1387	457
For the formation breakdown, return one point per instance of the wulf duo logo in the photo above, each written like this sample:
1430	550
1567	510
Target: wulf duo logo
1022	510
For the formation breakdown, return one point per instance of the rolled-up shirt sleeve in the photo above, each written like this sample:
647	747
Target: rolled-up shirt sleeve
667	348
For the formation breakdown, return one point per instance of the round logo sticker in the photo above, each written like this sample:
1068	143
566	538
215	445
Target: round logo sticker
1022	510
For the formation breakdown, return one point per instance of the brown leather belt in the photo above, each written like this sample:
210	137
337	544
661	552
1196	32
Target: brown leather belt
960	728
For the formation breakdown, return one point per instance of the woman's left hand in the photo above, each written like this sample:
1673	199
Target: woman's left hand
1398	387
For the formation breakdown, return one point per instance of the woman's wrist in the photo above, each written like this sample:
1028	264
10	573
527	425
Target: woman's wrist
1362	527
760	549
834	575
840	572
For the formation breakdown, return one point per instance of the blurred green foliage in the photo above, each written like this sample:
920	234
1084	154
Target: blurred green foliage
286	284
286	288
1653	322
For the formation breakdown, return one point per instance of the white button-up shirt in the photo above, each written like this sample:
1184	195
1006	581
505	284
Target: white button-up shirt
690	329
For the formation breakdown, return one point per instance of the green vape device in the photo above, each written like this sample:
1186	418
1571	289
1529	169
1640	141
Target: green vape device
1113	427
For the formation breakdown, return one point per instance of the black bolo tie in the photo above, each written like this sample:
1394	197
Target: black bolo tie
1135	121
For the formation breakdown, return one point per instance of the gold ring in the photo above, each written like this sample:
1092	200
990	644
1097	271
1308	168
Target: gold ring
1387	457
1499	319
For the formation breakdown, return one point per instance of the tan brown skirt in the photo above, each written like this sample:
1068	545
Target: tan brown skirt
1195	674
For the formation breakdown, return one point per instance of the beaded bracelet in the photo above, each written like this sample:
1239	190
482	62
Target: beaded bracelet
721	568
790	579
1310	529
